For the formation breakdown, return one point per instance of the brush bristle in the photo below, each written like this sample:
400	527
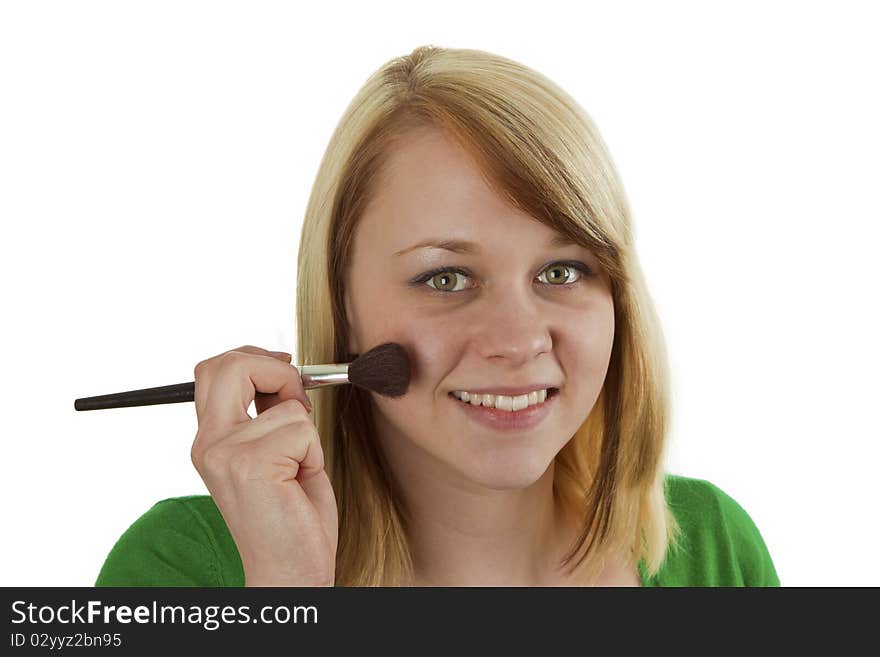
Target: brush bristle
383	369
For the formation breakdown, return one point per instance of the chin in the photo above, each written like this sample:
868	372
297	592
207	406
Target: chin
514	472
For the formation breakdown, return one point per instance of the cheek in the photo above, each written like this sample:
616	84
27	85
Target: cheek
585	349
374	317
596	336
429	341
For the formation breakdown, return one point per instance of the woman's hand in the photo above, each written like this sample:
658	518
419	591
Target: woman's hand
266	474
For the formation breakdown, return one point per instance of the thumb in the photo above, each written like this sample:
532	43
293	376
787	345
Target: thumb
263	401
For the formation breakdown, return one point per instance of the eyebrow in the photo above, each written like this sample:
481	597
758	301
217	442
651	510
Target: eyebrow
462	246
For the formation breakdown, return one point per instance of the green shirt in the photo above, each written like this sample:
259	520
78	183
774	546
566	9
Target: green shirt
184	541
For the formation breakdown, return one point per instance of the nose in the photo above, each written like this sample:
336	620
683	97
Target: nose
512	326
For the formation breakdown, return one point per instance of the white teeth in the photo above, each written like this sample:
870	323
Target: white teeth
502	402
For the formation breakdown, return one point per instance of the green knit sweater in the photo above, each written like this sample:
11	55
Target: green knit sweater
184	541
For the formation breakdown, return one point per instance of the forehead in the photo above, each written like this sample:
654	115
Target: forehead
431	187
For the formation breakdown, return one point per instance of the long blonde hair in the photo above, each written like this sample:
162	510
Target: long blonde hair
541	152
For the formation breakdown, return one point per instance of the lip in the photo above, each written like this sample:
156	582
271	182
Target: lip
507	390
493	418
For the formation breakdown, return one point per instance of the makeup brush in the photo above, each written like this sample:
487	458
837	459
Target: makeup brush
383	369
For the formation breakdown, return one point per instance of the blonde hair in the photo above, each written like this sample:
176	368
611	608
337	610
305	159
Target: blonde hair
541	152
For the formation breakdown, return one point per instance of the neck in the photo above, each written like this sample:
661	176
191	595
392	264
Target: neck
462	534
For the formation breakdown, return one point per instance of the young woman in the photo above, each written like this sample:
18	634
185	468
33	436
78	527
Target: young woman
467	209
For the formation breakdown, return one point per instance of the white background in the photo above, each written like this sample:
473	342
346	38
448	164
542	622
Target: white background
156	159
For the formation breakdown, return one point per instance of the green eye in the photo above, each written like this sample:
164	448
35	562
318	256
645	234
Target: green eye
449	279
555	280
445	281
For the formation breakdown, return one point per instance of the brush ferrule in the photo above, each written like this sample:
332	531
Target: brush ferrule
316	376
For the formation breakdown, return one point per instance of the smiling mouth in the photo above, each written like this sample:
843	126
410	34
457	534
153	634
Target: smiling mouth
551	392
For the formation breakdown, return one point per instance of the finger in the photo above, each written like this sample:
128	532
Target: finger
236	378
265	401
290	452
284	412
251	349
202	376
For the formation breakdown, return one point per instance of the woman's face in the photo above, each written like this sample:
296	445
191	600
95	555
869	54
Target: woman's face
507	314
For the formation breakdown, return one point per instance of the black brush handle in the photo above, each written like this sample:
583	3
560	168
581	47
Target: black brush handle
313	376
178	392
